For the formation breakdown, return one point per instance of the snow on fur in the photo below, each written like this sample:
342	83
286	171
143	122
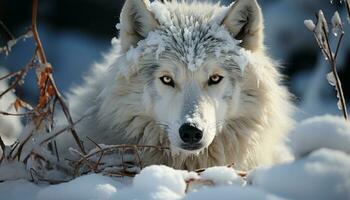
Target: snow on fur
190	34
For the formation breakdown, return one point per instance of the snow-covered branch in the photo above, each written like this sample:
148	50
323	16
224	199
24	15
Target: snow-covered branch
322	35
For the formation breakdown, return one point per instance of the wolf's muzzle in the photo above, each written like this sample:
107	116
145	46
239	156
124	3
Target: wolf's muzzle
191	136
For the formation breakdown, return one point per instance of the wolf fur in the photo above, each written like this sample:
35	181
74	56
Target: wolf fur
244	118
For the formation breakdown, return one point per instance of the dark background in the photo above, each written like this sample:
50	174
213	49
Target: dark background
75	33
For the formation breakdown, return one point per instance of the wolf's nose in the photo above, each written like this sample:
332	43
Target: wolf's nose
190	134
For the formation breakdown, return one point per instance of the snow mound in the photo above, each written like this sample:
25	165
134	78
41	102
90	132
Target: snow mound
157	182
222	176
323	174
320	132
321	146
231	192
17	190
12	170
92	186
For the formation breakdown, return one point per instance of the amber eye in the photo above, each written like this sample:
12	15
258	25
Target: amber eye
167	80
215	79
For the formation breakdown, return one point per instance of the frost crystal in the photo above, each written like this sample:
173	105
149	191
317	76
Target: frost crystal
321	31
332	81
337	24
161	13
118	26
154	39
336	20
310	25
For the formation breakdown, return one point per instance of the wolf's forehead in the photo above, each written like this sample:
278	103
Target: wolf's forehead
191	34
191	41
187	30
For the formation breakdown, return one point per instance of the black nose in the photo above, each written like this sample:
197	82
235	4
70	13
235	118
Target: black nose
190	134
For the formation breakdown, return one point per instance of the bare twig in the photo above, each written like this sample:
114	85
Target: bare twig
56	151
347	3
7	31
102	151
121	146
2	146
138	157
13	41
95	143
19	78
16	114
41	51
51	136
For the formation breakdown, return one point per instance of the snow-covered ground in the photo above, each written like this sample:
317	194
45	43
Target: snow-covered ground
320	170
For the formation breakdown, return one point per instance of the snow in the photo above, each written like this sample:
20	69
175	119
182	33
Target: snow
310	25
322	167
10	126
156	182
332	81
86	187
321	34
161	13
155	39
231	192
324	174
13	170
320	132
320	170
336	20
18	190
222	176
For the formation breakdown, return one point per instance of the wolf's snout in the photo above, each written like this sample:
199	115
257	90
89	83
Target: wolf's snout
190	134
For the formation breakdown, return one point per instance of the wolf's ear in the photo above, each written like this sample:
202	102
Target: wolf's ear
245	22
136	21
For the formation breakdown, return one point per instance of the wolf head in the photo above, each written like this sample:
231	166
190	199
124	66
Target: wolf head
191	59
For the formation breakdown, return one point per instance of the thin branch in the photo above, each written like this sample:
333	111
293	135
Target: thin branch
98	161
338	45
51	136
15	83
138	157
2	146
10	75
348	8
43	60
41	51
7	31
335	73
16	114
95	143
56	151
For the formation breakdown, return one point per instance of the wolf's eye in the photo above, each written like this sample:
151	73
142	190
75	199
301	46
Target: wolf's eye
167	80
215	79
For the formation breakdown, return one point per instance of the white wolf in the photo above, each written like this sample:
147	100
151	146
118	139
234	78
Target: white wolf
190	76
